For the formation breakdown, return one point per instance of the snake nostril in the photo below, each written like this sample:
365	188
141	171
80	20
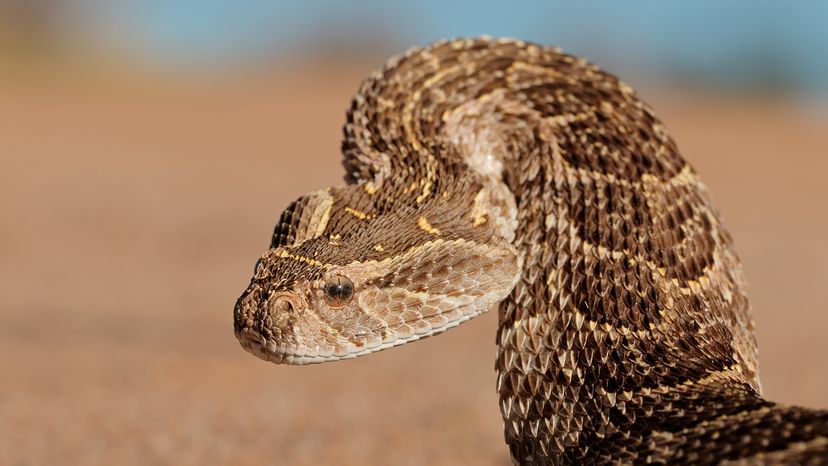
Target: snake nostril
280	305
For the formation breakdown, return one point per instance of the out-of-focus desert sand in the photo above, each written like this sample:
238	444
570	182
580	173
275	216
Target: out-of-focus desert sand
132	215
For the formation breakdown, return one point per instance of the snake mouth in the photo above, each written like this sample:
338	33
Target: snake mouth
269	350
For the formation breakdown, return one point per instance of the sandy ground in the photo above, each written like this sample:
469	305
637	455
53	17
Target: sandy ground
131	219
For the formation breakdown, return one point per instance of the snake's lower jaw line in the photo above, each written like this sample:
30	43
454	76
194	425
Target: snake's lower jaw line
269	350
264	349
292	354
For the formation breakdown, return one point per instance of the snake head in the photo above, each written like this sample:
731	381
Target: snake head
300	311
350	272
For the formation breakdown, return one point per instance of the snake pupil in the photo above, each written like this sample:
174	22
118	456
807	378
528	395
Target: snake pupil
338	291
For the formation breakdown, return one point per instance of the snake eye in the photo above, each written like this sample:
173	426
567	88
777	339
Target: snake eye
338	291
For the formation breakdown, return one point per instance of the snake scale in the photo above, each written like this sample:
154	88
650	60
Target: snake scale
489	173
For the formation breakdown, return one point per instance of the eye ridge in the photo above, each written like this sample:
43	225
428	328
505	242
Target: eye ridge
338	291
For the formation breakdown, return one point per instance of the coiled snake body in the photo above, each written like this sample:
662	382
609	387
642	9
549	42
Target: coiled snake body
487	173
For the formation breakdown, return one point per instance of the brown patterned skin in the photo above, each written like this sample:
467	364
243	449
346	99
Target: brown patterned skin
494	171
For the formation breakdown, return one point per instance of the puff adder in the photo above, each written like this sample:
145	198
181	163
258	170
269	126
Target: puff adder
488	173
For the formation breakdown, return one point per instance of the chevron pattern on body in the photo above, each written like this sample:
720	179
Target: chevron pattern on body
501	174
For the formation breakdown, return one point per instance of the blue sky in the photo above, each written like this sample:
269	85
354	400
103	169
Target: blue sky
722	41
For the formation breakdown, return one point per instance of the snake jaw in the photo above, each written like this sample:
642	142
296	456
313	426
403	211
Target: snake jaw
269	350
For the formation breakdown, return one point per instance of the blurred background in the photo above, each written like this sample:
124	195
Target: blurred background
148	147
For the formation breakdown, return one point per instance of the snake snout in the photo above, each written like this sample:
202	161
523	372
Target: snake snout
261	316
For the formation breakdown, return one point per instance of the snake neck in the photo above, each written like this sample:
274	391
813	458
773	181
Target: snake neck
630	291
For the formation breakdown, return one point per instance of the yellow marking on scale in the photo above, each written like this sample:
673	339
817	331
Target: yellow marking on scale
307	260
426	191
370	188
358	214
650	179
424	225
378	247
333	240
323	222
479	220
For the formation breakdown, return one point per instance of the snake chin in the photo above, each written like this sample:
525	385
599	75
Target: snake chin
269	350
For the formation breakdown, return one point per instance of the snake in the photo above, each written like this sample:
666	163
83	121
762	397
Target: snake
490	173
